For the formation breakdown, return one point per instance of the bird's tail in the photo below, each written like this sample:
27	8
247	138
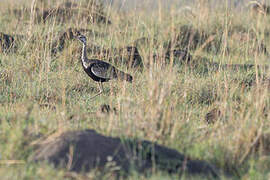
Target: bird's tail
125	76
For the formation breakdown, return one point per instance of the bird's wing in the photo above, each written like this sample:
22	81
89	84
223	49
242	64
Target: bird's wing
103	70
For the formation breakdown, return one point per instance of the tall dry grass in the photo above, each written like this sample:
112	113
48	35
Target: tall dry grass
41	94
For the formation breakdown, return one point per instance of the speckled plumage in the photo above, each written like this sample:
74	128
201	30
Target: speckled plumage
99	70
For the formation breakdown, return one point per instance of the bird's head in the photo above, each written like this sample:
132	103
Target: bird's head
82	38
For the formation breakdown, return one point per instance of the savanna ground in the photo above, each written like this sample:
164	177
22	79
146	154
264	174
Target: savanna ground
41	94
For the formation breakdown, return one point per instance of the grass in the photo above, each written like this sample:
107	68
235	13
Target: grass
40	94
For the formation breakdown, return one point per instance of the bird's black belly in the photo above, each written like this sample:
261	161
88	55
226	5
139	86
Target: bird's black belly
94	77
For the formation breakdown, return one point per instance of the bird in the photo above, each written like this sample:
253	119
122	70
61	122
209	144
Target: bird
100	71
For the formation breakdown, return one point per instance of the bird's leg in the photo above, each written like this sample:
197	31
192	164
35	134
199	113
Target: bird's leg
100	87
100	90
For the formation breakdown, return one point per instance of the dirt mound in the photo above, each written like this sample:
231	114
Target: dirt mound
70	34
8	42
246	41
65	14
179	55
259	8
191	38
92	12
144	41
212	116
127	55
86	150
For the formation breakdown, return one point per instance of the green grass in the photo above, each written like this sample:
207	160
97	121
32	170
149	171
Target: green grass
166	105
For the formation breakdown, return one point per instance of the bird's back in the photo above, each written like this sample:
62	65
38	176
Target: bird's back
99	70
103	71
94	68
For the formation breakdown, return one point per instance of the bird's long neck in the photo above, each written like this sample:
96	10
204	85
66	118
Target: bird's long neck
84	56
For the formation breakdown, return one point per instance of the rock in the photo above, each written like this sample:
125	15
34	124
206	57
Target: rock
86	150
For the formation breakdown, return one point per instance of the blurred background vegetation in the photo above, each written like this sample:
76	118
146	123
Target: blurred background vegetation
214	108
